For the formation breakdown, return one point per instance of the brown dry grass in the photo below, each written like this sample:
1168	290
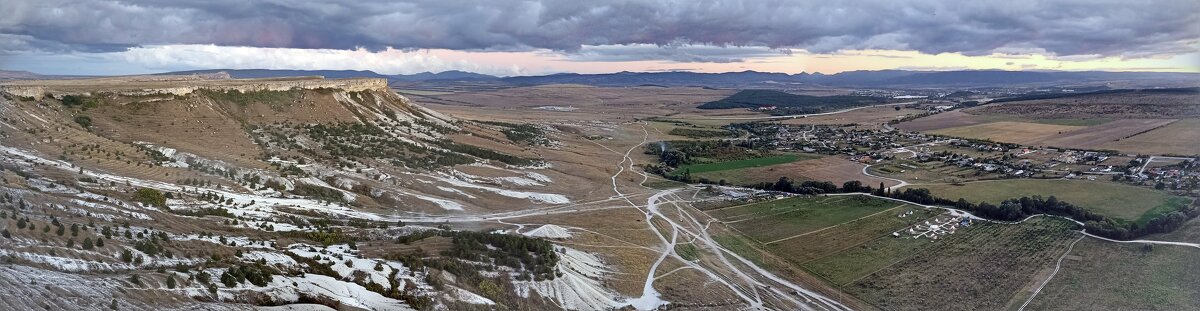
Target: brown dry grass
1180	137
1094	137
832	169
591	103
1136	105
1069	136
941	121
1013	132
865	116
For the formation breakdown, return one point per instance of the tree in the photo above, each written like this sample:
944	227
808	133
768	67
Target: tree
853	186
150	197
99	242
74	229
21	223
5	234
126	255
171	281
70	243
60	231
84	121
87	243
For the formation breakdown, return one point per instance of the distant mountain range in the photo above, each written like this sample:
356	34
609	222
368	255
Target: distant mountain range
453	75
882	78
749	79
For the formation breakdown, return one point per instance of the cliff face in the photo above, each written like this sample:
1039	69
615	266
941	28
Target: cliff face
38	89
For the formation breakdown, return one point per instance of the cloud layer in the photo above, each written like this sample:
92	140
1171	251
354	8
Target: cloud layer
387	61
617	28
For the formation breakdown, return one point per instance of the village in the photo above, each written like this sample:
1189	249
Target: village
987	159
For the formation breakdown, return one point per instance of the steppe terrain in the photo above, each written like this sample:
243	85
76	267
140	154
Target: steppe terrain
204	192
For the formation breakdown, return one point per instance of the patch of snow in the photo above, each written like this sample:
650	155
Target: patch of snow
455	293
579	287
65	263
443	203
240	241
271	258
296	307
532	196
549	231
455	191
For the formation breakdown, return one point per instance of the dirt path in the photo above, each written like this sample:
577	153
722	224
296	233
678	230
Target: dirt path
1057	266
748	285
833	226
901	182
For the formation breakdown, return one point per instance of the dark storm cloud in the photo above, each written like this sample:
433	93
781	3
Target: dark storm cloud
685	52
1110	28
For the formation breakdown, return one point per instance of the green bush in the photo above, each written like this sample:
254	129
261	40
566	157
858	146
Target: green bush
84	121
150	197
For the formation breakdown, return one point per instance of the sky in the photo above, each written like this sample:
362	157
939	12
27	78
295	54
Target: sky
507	37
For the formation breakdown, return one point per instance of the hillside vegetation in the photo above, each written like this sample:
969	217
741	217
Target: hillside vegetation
791	103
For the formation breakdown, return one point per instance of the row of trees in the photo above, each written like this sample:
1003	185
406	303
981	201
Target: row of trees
1008	210
1020	208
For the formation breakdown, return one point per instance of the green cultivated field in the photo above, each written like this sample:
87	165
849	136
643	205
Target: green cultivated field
769	221
733	165
845	236
862	260
1101	275
1114	200
987	266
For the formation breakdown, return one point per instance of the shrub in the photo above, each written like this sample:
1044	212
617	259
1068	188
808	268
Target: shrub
84	121
150	197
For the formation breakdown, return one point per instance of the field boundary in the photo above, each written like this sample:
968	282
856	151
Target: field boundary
772	214
1057	266
834	226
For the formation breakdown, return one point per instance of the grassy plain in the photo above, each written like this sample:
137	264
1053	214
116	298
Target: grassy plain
769	221
982	267
1184	133
1007	131
861	260
801	249
738	164
1115	200
1101	275
827	168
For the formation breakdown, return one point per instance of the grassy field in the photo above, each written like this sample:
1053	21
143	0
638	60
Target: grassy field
829	168
769	221
1159	141
733	165
1065	121
845	236
862	260
1114	200
1007	131
928	172
1100	275
987	266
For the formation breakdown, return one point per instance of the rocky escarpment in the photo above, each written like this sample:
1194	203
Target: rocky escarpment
183	85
